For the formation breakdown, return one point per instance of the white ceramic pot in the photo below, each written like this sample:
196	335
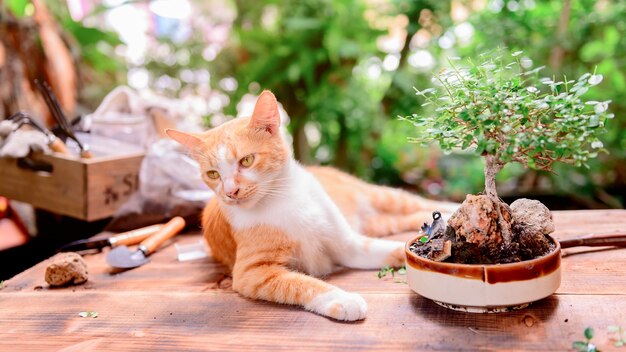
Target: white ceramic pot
484	288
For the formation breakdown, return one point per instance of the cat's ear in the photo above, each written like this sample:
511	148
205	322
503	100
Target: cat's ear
266	116
188	140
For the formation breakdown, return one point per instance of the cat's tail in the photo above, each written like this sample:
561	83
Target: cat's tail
346	189
394	201
399	211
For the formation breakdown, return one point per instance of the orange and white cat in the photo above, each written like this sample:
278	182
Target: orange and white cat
278	225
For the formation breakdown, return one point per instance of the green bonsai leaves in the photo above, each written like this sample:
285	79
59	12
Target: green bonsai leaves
498	106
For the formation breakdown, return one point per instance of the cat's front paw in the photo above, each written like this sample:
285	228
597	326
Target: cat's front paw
340	305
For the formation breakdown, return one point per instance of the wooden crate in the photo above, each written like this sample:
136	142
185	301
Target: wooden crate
87	189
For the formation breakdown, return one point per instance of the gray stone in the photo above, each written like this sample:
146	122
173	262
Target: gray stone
532	221
532	215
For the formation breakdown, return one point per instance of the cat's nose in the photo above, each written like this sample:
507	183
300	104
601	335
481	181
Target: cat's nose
233	194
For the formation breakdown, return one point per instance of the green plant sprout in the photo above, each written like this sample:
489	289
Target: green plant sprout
88	314
585	346
389	270
386	270
500	109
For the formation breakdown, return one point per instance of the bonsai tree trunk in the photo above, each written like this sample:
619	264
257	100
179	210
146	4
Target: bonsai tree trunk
492	167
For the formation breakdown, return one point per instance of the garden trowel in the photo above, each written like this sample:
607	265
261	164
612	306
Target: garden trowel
123	258
125	238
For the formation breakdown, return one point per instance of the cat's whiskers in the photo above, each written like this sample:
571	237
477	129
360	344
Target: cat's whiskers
267	188
276	183
274	192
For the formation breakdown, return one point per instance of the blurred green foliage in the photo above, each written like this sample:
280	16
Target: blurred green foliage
324	62
315	55
18	7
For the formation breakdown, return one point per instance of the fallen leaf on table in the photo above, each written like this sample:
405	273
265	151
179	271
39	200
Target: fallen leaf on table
88	314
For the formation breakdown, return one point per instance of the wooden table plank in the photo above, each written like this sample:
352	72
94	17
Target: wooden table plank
134	308
182	320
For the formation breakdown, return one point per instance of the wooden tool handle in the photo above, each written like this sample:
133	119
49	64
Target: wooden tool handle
168	231
618	240
58	146
132	237
86	154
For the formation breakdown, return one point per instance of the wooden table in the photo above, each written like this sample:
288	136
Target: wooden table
171	305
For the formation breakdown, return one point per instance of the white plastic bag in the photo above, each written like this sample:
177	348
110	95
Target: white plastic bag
169	185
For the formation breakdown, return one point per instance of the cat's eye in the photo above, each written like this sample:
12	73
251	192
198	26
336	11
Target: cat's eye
214	175
247	160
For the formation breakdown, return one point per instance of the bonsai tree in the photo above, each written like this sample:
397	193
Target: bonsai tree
500	109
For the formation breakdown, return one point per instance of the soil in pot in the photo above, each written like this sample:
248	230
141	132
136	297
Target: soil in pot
483	231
